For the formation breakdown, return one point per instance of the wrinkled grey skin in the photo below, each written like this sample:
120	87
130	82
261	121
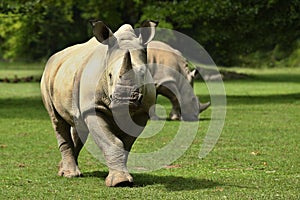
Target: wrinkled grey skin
170	73
87	86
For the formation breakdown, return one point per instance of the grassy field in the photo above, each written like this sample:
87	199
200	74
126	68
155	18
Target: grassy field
256	157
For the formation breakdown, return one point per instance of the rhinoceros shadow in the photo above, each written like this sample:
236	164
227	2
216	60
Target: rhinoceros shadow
172	183
168	119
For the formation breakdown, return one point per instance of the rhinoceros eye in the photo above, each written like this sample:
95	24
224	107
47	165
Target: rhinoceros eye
110	79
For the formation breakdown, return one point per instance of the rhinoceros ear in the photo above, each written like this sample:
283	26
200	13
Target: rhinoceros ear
102	33
147	30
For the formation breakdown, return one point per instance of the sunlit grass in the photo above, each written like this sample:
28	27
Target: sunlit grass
256	157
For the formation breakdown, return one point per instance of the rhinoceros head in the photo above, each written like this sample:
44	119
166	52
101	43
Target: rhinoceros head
126	73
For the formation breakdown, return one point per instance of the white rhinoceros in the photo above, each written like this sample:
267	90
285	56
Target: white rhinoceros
170	73
100	87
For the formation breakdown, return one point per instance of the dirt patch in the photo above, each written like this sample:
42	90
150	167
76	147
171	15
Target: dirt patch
206	75
214	75
17	79
229	75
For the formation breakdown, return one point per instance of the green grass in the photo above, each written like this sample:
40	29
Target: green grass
256	157
21	70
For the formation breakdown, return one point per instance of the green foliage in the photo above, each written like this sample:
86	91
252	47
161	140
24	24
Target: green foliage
231	31
45	27
280	56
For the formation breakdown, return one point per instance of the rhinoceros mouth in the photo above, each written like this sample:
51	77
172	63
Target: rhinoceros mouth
126	98
131	105
136	98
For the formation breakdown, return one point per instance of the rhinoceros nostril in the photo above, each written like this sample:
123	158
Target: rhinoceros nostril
136	97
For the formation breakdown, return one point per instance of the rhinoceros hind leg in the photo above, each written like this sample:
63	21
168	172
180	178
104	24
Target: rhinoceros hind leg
68	166
79	139
171	92
119	179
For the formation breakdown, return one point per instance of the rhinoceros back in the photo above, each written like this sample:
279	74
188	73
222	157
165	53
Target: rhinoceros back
61	79
166	63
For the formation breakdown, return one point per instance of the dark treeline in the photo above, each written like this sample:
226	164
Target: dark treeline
234	32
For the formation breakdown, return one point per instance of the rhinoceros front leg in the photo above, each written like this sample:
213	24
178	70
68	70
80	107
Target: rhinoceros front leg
152	111
115	146
171	92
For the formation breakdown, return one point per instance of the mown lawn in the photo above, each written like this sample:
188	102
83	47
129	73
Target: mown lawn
256	157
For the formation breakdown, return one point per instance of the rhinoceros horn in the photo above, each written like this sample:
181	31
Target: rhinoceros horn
126	65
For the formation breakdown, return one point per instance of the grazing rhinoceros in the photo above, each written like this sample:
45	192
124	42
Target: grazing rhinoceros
170	72
95	86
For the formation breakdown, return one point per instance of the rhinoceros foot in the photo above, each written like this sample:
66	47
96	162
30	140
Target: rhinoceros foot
119	179
68	169
174	117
